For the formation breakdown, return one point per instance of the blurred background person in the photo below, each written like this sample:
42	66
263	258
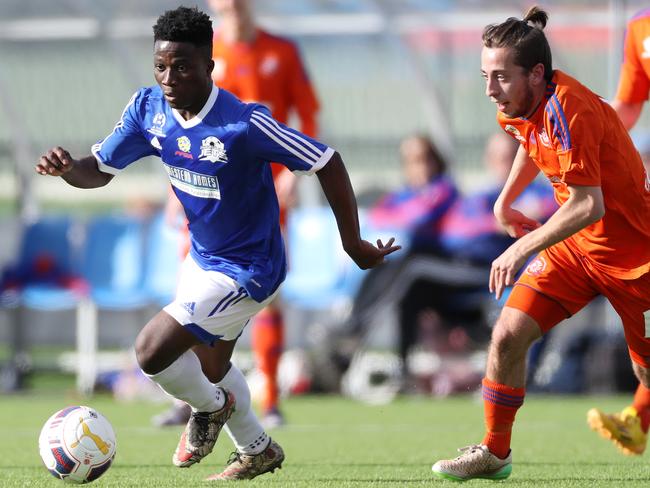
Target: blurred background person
426	195
257	66
447	312
631	95
634	80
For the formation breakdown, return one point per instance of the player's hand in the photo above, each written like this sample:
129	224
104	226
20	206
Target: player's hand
504	268
56	162
365	255
515	223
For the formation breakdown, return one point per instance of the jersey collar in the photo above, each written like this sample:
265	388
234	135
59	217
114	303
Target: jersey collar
198	118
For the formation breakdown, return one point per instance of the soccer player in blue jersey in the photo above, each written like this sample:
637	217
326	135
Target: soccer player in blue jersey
216	151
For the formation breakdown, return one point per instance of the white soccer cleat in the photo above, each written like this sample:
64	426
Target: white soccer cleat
474	462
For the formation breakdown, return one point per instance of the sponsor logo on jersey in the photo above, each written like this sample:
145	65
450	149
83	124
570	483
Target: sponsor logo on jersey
537	267
158	122
213	150
646	48
195	184
515	132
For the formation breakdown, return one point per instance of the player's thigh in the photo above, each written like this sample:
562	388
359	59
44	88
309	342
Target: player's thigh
631	300
553	287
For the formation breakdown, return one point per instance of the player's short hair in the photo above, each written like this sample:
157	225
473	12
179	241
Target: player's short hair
526	37
185	24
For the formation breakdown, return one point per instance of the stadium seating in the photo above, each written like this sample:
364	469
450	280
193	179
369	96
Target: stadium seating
46	271
162	261
113	262
320	274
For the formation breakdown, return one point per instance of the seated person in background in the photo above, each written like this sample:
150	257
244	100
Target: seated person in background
427	194
445	275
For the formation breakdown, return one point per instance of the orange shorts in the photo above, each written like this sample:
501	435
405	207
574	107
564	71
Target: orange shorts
559	282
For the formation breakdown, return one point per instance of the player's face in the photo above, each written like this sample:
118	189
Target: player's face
506	84
182	71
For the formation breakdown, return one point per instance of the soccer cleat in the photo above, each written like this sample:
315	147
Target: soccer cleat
177	414
246	466
201	433
623	429
474	462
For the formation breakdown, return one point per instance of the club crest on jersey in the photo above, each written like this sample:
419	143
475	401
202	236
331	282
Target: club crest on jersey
213	150
158	122
543	136
537	267
515	132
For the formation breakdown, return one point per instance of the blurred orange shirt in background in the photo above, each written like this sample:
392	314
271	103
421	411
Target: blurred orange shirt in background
634	83
269	71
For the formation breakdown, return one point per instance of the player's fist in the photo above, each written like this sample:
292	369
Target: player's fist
55	162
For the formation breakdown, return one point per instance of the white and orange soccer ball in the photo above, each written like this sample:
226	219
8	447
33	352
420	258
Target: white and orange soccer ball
77	444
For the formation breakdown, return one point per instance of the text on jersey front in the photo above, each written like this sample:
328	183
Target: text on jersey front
192	183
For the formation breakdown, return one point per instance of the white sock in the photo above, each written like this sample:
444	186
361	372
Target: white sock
184	380
243	427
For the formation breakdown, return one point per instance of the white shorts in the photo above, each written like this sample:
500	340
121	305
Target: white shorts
212	305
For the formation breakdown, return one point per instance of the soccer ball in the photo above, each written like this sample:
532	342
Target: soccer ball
77	444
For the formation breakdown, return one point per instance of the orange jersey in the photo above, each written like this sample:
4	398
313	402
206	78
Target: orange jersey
268	70
634	83
575	138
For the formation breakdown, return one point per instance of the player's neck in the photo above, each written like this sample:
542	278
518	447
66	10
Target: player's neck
234	32
189	113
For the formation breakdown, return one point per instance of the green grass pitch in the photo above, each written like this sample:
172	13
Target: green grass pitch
335	442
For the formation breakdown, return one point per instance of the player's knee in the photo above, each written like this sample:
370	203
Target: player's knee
146	353
513	334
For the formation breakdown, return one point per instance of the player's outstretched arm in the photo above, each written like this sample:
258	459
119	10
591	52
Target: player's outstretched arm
336	185
82	173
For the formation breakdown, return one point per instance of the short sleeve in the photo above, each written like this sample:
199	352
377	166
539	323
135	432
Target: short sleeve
126	143
577	129
270	140
633	85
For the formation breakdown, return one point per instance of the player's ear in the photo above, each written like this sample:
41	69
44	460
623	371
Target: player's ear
210	67
537	74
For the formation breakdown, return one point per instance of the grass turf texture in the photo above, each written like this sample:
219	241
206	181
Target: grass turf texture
334	442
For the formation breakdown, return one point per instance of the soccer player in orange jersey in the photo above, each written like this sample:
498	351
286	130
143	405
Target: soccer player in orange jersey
257	66
596	243
628	429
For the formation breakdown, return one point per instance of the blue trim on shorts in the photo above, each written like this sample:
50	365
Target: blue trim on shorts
203	335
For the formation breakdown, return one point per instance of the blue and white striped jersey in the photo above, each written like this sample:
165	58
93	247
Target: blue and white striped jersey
218	165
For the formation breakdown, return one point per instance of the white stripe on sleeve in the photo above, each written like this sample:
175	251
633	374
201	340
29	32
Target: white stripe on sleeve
290	137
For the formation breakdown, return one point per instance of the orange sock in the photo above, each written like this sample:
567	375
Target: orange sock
641	404
267	341
501	403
